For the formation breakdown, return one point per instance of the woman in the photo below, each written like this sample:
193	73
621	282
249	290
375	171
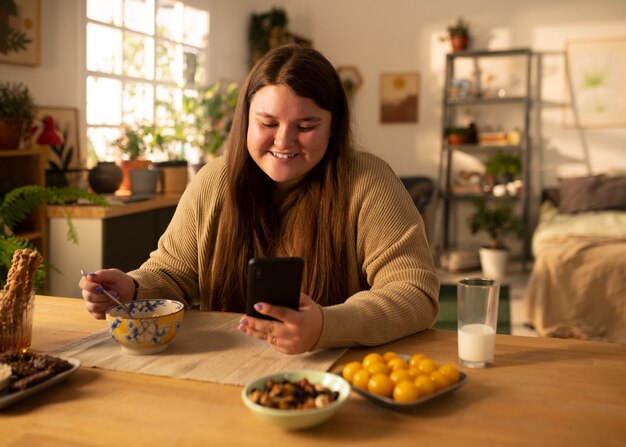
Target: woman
291	184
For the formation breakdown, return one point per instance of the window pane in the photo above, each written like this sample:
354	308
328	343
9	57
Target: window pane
138	103
100	141
138	56
195	27
108	12
104	101
104	49
191	70
169	62
139	15
169	20
168	105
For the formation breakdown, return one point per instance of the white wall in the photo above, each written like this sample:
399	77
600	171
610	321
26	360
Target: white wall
377	37
402	35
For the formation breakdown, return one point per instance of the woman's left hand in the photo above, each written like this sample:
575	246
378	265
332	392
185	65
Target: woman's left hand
295	332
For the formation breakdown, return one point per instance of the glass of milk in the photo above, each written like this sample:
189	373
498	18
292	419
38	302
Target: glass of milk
477	319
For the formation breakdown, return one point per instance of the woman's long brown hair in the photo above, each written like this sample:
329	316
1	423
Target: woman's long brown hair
310	221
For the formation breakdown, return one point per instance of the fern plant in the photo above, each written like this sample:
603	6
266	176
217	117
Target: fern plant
18	203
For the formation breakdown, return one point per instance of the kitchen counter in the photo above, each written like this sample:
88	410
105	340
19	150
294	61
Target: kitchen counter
118	207
119	236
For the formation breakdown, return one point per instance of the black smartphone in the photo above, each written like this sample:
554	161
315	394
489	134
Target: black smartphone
273	280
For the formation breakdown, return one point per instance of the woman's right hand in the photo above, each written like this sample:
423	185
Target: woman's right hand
113	280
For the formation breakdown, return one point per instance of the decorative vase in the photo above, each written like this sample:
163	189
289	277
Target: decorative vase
11	133
105	178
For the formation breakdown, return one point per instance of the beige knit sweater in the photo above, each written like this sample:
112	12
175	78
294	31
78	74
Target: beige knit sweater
386	244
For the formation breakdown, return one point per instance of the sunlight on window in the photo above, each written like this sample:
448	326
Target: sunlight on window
101	142
107	12
140	56
138	103
168	105
103	43
169	20
138	15
108	92
169	62
196	29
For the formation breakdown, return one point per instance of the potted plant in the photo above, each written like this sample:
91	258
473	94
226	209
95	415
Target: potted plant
498	219
461	135
502	169
212	114
167	149
17	109
458	35
265	31
133	148
18	203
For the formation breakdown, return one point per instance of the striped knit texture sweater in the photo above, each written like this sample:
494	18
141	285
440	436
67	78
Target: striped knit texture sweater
392	279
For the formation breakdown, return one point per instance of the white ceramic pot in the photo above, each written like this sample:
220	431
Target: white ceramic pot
493	263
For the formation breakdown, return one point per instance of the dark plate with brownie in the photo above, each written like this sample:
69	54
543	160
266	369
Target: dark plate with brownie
32	372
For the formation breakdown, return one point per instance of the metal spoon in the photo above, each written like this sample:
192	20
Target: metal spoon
112	297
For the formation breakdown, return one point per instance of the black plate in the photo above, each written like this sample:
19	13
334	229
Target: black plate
7	398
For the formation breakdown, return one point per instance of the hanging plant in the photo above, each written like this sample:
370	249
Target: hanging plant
265	31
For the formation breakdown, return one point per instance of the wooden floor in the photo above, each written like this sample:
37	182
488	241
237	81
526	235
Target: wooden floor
516	279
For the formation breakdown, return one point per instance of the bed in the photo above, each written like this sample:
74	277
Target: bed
577	287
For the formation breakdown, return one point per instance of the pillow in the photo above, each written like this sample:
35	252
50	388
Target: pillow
592	193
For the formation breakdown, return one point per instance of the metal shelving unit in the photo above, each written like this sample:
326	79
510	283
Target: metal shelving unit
451	106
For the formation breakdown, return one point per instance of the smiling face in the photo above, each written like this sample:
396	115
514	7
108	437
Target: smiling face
287	134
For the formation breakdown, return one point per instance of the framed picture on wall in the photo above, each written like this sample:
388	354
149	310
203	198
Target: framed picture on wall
399	94
20	32
595	83
64	160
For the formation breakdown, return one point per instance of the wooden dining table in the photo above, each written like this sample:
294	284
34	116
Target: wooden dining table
540	391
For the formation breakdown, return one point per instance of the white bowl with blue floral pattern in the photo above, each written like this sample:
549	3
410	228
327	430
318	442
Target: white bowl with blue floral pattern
153	325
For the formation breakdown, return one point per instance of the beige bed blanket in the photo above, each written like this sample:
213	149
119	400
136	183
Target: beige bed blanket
578	288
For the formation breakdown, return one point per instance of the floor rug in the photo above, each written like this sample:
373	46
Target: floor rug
447	315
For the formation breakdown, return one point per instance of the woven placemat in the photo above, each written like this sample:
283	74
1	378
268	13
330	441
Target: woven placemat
208	347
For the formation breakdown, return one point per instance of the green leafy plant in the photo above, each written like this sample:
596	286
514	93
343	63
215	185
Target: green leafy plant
464	131
16	101
131	143
459	28
505	166
18	203
212	113
461	135
262	30
497	219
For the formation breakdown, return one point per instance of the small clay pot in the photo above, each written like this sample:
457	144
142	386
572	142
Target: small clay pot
455	139
459	42
105	177
11	133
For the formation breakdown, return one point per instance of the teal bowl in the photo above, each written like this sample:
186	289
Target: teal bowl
298	419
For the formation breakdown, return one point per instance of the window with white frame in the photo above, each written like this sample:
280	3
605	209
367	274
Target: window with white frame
143	57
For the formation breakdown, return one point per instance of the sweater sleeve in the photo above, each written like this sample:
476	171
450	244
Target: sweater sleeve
393	261
174	270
